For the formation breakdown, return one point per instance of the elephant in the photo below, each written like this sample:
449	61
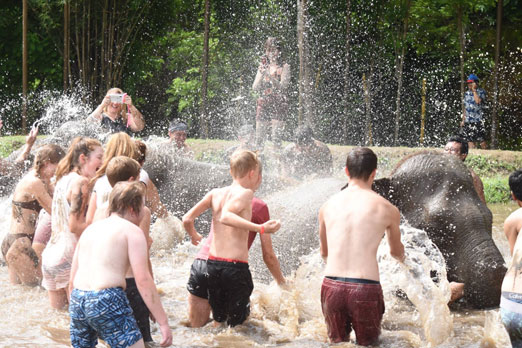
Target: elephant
434	192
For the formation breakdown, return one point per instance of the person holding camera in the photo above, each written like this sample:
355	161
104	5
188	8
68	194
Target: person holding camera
272	79
117	113
473	116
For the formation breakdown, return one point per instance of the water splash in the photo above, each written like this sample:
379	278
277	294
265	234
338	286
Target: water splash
413	277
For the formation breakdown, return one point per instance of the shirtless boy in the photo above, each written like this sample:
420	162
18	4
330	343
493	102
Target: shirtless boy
511	300
105	251
229	279
352	224
197	286
123	168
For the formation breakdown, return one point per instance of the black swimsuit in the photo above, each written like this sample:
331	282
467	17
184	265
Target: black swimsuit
115	126
32	205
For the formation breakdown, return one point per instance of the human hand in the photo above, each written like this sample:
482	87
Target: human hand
272	226
106	101
166	335
1	124
127	100
31	137
196	238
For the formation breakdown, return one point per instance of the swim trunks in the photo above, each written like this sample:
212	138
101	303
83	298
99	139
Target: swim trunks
511	314
198	281
10	238
229	288
105	313
139	308
352	304
474	131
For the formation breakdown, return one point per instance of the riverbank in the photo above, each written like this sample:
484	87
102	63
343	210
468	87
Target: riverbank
493	166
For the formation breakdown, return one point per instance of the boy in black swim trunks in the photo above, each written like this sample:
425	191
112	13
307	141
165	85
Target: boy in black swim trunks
229	279
351	226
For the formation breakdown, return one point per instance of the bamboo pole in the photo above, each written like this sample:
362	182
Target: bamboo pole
423	112
24	66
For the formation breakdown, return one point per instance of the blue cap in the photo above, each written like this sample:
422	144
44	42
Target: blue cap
472	78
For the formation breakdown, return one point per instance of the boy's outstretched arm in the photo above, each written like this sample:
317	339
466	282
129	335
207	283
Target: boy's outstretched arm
192	214
235	205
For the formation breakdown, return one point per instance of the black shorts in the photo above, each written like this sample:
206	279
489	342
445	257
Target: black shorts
474	131
229	288
139	308
198	281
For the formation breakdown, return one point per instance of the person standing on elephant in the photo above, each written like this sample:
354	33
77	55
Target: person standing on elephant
352	224
459	147
473	116
511	299
272	80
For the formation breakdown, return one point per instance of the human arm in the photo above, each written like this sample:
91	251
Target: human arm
479	186
74	268
190	217
476	96
91	209
138	258
270	259
97	113
235	205
153	201
136	120
42	195
511	232
78	197
258	81
323	243
145	227
29	142
393	233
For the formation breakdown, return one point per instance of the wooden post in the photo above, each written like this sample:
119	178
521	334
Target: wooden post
203	112
423	112
24	66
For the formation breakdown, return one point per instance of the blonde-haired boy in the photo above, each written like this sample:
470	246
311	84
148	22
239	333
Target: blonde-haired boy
229	279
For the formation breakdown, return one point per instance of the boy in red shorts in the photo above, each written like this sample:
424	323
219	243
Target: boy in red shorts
352	224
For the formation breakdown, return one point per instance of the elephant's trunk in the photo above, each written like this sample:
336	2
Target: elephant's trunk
482	267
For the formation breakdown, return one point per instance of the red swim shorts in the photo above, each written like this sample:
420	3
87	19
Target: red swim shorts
349	304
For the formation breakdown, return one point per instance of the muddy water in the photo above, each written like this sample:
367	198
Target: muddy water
282	318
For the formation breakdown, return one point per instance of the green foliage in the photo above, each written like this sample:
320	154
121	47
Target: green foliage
496	189
486	165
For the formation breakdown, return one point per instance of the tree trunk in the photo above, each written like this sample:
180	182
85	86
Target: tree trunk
494	112
204	74
347	84
461	56
368	138
66	34
305	96
24	66
399	70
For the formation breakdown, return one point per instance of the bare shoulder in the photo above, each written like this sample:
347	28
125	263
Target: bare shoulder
514	219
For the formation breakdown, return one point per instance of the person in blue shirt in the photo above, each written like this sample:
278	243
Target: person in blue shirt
473	116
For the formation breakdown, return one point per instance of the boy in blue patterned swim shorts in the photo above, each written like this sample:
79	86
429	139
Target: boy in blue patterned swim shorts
106	249
511	299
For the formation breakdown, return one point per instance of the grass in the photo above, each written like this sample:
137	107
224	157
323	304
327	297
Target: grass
492	166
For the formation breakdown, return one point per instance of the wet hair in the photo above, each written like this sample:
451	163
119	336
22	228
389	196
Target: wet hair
464	148
119	144
242	162
515	183
141	152
361	162
125	195
50	153
122	168
79	146
176	125
304	135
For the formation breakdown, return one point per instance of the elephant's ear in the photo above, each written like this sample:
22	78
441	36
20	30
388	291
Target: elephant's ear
382	186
